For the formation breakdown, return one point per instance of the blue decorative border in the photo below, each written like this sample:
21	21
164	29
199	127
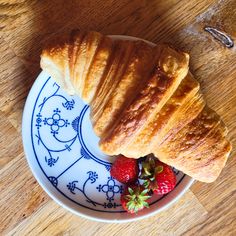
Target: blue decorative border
86	107
72	186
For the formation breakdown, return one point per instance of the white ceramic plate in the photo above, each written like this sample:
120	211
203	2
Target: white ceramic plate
63	154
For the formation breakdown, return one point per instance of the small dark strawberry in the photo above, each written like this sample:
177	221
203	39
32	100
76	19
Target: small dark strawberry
157	176
125	170
134	198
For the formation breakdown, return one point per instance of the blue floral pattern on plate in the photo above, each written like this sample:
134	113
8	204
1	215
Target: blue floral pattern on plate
66	150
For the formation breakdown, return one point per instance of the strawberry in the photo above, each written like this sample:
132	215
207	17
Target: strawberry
158	176
134	198
125	169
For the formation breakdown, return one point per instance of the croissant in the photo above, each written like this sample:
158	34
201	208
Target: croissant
143	100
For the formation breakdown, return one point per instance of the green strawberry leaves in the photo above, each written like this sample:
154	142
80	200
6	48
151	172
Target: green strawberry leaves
137	200
158	169
146	184
149	171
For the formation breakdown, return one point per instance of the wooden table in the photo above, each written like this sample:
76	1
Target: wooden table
25	209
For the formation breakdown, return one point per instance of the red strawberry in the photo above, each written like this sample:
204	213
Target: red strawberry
125	169
158	176
134	198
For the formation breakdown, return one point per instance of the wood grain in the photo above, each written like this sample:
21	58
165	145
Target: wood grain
208	209
59	222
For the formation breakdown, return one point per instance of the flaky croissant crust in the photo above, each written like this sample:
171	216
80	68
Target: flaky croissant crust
143	100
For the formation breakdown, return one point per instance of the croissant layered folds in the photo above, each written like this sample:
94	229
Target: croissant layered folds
143	100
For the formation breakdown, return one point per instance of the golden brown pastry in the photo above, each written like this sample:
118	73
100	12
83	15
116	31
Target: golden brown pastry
143	100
